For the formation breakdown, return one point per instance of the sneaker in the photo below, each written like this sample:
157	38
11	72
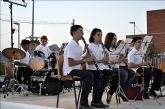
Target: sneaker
84	107
153	93
98	105
146	96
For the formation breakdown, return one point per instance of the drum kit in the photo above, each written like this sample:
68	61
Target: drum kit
42	68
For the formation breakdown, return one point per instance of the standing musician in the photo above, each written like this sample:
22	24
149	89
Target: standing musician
23	64
126	77
43	46
72	64
101	73
136	62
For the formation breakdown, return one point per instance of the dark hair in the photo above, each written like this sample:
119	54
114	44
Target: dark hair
44	37
74	28
24	42
94	31
108	39
135	39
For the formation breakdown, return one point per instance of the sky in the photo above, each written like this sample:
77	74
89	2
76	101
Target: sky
54	18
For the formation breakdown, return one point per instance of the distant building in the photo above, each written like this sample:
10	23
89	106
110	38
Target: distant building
155	28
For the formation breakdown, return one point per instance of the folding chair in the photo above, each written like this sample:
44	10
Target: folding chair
63	78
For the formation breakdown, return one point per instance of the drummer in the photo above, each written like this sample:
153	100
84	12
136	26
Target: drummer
43	46
23	65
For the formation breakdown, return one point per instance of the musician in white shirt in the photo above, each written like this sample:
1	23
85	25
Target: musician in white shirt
103	71
137	62
43	46
126	76
72	64
23	64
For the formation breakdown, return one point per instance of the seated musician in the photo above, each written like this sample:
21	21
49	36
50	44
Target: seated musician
43	46
72	64
136	61
101	73
23	65
126	77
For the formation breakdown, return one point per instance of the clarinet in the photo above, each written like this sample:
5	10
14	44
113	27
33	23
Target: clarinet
97	67
107	55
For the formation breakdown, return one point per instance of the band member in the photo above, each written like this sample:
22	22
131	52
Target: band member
23	65
43	46
72	64
136	61
101	73
126	77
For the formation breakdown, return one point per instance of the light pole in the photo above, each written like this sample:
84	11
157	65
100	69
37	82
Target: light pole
11	16
18	24
134	26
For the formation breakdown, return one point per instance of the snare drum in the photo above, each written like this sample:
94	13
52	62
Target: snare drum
37	60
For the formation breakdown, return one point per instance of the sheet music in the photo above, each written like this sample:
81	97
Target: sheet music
145	44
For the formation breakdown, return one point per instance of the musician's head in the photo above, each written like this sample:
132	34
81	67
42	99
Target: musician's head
44	40
95	36
136	42
110	40
25	44
77	31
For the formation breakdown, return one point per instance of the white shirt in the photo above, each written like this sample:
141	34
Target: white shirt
26	59
73	50
135	57
97	51
44	49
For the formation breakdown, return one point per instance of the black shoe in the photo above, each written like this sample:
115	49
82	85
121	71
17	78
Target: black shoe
84	107
146	96
153	93
99	105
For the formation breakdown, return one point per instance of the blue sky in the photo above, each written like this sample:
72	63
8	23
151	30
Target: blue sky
110	16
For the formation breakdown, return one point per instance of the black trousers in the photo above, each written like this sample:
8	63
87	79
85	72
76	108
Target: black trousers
26	73
148	72
92	77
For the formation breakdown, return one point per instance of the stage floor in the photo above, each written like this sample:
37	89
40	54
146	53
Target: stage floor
18	101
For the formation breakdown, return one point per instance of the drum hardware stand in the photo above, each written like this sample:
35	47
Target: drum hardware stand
23	86
10	81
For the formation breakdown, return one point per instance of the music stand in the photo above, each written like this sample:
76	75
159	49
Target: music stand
119	91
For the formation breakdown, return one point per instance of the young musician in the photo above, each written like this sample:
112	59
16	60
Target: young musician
72	64
136	61
23	64
43	46
126	77
102	73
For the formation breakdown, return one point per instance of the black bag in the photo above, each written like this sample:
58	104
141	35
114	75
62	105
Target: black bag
52	86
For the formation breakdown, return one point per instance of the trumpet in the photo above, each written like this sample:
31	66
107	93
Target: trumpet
106	54
95	63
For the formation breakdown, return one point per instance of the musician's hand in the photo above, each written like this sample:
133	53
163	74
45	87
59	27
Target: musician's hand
105	60
89	59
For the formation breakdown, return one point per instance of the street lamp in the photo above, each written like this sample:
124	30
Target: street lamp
134	26
18	24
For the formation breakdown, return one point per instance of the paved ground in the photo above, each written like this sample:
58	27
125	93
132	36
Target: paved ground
67	102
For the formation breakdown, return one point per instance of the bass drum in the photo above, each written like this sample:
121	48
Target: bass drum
37	60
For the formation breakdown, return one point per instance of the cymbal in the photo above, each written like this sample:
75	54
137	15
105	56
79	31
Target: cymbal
13	53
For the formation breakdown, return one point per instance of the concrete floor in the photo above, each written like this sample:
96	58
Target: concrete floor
67	101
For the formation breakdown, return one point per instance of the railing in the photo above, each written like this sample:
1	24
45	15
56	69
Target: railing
157	60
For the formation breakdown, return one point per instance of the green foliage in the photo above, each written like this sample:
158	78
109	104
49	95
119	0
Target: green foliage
152	51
